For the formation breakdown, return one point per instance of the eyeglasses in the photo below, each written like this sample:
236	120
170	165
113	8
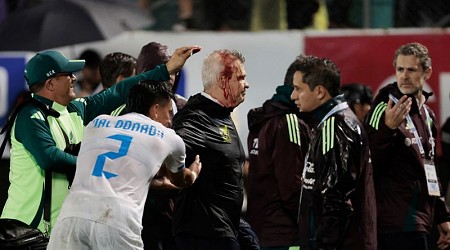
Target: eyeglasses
64	74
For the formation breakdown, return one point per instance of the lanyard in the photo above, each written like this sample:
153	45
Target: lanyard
336	108
414	130
429	131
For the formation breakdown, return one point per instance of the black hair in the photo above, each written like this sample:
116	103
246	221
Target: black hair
91	57
357	93
114	65
289	77
319	71
146	94
151	55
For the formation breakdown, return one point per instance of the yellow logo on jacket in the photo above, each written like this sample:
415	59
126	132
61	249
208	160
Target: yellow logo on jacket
225	133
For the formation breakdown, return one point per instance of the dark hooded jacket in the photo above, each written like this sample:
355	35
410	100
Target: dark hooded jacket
401	187
337	209
211	207
159	205
277	145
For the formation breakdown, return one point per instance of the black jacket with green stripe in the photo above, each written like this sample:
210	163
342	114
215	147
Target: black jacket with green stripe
277	143
337	204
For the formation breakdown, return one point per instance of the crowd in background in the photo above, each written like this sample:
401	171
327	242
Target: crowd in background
254	15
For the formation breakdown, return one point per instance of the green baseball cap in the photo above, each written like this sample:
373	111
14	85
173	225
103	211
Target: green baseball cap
49	63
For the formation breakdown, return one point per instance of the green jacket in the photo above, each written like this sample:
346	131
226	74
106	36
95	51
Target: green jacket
38	144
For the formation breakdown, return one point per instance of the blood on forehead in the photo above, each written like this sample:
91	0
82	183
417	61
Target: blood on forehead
228	62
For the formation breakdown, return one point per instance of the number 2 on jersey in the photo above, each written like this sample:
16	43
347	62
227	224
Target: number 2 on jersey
123	150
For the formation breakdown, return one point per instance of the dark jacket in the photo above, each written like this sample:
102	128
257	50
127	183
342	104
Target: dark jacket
337	209
211	207
277	145
402	195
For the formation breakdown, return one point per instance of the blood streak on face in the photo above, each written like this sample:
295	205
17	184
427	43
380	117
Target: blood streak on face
227	73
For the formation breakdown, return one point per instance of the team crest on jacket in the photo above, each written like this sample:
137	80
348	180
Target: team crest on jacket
225	133
308	177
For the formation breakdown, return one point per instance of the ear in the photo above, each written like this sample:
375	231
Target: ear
321	92
49	84
222	81
428	73
153	112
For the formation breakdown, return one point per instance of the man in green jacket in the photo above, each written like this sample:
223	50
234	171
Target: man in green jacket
47	127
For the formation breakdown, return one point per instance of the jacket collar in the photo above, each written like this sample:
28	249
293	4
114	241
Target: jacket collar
209	106
54	105
319	113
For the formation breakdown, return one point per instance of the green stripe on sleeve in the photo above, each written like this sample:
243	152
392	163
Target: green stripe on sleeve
297	129
293	128
289	122
328	135
376	115
117	111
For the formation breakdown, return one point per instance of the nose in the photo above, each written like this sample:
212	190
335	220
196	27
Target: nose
293	96
404	74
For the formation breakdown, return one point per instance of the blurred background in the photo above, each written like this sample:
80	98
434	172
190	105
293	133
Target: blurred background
115	16
360	36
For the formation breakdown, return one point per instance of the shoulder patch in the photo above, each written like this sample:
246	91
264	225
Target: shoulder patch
376	115
38	115
328	135
294	131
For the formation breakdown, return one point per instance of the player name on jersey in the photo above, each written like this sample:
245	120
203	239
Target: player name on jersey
142	128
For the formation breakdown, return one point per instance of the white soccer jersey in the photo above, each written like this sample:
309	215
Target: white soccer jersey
118	158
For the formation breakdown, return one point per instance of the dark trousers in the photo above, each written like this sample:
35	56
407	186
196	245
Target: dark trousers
183	242
403	241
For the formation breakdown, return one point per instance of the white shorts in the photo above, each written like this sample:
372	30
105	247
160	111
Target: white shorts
79	234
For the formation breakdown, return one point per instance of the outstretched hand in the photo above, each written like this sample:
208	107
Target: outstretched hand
179	57
396	113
